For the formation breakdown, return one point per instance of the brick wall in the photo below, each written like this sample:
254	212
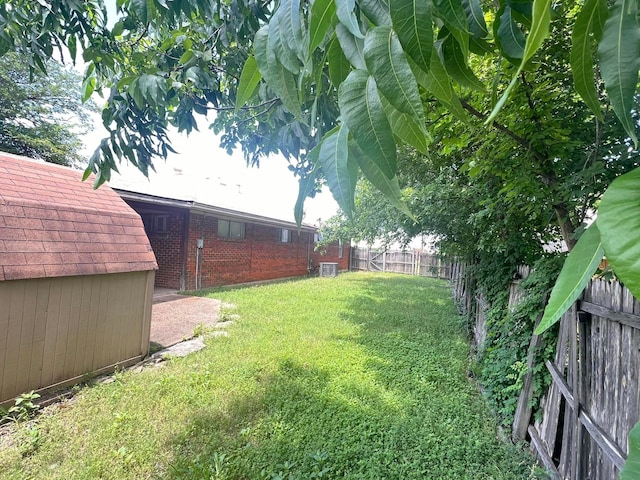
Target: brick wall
259	256
223	261
165	228
331	253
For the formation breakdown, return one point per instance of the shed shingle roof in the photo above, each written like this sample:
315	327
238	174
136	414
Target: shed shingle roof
52	224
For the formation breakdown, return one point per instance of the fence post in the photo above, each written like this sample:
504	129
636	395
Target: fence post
522	416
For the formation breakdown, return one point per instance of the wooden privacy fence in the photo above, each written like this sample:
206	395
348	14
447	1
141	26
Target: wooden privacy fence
594	399
410	262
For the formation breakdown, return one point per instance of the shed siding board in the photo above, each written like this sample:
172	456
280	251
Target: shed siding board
37	359
5	297
102	323
70	326
14	335
51	333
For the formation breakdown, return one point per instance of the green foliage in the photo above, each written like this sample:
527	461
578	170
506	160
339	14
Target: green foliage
23	407
574	276
41	116
503	359
631	468
361	376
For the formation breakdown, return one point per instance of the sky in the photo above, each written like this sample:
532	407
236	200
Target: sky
203	172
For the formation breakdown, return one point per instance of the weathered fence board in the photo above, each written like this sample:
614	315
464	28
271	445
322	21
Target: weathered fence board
409	262
594	399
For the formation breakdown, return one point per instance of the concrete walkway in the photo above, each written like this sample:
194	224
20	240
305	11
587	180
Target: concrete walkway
174	317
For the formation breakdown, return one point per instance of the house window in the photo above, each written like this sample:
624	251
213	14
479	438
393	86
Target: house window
155	223
284	235
340	248
317	237
160	223
229	229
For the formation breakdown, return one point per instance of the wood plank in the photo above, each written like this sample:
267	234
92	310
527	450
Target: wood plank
5	306
573	381
99	357
11	358
64	317
607	446
91	318
582	443
522	416
83	364
75	304
51	331
25	340
41	300
624	318
561	383
544	457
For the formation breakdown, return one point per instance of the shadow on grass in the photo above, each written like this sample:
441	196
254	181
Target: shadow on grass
408	413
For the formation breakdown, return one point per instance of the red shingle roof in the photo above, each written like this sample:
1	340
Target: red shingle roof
52	224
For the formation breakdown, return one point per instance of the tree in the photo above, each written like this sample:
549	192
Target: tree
41	116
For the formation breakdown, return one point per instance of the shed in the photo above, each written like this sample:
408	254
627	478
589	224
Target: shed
76	278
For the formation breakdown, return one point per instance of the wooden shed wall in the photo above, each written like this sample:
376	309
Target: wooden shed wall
58	330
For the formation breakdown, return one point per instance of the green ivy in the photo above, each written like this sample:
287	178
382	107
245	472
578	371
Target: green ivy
503	359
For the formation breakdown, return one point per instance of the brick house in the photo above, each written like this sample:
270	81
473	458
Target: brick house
76	278
199	245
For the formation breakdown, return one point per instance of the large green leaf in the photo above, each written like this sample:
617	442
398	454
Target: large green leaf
403	127
148	88
352	47
619	222
475	18
456	66
307	185
377	11
412	21
339	66
279	79
438	82
509	35
452	14
322	18
539	30
631	469
576	272
260	44
340	169
345	10
291	29
363	114
389	187
140	7
249	79
589	22
278	44
619	60
386	62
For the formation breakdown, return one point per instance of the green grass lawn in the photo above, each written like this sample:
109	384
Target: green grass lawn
355	377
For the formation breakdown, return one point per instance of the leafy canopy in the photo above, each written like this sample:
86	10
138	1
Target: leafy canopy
42	116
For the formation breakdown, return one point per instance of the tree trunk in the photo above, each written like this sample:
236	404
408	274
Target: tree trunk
566	226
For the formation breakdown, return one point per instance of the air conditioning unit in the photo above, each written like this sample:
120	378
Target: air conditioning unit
328	269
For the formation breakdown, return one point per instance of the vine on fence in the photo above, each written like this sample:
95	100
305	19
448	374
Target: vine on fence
502	361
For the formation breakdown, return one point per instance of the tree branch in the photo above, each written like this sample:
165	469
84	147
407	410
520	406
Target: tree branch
498	126
268	103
